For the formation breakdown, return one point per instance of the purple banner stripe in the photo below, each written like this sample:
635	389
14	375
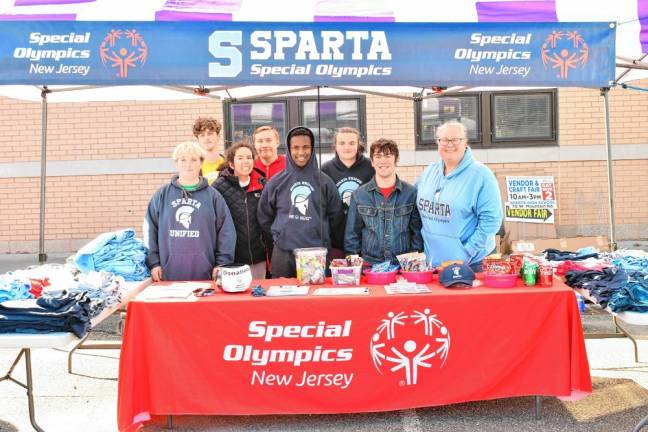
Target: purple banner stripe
41	17
242	113
48	2
277	112
642	13
166	15
326	18
517	11
231	5
327	110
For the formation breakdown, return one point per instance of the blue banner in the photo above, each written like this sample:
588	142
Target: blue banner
253	53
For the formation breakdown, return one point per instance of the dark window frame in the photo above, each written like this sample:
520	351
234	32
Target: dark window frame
294	115
485	125
431	144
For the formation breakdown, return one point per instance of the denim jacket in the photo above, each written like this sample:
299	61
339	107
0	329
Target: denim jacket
378	230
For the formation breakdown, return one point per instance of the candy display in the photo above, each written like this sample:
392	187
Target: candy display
497	266
413	262
310	265
346	271
384	267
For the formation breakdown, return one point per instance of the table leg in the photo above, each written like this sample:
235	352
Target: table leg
634	342
641	424
170	422
74	349
538	406
30	393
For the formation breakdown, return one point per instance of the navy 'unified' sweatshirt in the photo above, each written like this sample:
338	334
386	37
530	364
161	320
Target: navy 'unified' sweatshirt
188	233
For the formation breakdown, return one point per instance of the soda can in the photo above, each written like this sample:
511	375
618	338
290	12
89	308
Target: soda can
516	262
545	275
530	273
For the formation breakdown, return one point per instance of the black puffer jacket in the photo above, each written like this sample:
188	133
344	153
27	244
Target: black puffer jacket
251	245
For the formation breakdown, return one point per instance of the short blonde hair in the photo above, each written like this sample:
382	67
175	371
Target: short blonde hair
188	148
263	129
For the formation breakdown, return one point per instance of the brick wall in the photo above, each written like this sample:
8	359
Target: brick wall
80	207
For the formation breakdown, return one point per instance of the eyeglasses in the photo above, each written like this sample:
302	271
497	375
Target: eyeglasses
448	141
204	292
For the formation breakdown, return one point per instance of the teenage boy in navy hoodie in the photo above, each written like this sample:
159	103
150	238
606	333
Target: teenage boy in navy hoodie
299	206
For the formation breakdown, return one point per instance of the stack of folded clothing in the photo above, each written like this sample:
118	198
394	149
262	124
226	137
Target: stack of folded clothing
14	286
64	312
116	252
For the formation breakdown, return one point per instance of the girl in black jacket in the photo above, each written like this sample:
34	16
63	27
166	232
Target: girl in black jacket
241	186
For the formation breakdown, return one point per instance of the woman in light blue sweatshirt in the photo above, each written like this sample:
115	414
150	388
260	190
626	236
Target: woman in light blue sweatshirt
459	202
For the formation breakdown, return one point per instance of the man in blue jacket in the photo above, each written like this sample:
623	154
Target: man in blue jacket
383	221
459	202
299	206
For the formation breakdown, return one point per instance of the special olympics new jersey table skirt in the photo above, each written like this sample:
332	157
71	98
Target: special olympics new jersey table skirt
234	354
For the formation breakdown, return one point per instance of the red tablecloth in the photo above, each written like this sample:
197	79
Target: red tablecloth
235	354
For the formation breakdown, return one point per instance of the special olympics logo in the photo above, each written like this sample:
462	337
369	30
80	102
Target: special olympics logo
565	51
409	342
123	49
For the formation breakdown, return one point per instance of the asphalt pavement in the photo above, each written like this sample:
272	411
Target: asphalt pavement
87	399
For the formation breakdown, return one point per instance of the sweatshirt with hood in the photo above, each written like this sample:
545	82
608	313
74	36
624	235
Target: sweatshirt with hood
290	205
348	179
461	211
188	233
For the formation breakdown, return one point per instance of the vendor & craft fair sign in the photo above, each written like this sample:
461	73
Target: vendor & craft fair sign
530	199
416	54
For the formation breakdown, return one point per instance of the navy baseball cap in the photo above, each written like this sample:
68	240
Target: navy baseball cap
457	276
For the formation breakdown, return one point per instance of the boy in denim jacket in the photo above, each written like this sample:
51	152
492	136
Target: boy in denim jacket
383	220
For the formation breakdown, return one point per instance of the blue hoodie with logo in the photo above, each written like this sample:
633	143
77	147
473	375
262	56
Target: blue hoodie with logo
188	233
461	212
289	209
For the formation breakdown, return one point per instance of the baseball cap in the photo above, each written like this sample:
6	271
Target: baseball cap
457	276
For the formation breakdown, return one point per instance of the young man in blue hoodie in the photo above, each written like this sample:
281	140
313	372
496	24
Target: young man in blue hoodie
299	206
459	202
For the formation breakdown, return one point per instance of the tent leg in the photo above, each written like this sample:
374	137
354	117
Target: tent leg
42	256
608	143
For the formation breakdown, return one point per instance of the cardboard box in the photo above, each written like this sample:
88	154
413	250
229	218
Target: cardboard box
535	246
572	244
601	243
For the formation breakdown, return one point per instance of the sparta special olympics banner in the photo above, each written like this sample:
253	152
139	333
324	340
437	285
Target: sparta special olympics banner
416	54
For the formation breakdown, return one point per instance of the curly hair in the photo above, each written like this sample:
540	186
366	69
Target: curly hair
206	123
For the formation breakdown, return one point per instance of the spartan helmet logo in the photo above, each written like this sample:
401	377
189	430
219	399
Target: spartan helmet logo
300	197
183	215
455	272
346	189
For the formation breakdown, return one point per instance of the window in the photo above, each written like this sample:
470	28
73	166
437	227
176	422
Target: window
241	118
493	119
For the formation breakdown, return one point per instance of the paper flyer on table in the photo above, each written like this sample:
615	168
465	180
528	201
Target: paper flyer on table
341	291
174	290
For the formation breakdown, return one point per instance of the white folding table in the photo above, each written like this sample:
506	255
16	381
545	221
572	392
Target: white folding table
26	341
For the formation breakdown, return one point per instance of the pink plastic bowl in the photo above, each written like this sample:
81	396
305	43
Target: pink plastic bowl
500	280
381	278
419	277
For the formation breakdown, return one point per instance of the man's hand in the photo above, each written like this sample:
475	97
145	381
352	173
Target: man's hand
156	274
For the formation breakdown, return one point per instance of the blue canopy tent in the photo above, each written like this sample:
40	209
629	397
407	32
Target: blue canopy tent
375	58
